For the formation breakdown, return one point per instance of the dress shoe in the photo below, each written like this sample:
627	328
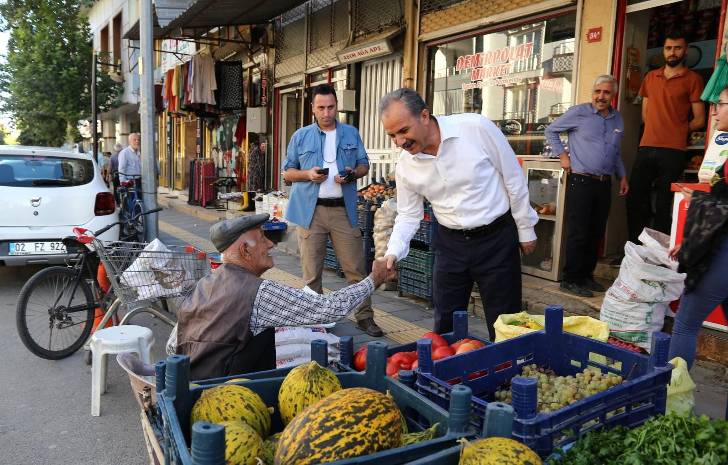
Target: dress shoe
370	327
575	289
593	286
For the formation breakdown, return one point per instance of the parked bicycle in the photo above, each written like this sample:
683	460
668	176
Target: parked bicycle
131	209
60	306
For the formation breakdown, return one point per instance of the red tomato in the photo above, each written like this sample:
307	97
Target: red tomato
360	359
403	357
442	352
455	345
415	365
437	340
392	369
466	347
477	343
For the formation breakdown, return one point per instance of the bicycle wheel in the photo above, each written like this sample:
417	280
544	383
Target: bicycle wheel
136	225
55	313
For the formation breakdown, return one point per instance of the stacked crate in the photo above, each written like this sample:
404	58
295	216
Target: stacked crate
365	219
330	260
415	270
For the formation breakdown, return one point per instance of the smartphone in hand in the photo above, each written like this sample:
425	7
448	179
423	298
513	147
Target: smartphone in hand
347	176
323	171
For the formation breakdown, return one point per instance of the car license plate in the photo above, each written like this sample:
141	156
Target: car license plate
37	248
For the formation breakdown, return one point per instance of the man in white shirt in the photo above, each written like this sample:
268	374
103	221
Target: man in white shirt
130	165
463	165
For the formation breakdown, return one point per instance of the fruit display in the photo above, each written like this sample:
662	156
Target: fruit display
321	421
555	392
497	451
243	445
305	385
377	193
408	360
230	402
348	423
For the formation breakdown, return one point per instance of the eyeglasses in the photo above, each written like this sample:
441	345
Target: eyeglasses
718	104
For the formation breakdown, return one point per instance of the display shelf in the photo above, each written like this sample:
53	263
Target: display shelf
695	147
547	217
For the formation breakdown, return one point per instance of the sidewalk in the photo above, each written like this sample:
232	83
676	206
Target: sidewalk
404	319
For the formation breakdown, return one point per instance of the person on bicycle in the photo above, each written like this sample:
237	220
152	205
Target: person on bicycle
226	325
130	164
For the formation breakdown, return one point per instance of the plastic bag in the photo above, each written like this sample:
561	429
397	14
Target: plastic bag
292	351
634	306
581	325
300	335
681	391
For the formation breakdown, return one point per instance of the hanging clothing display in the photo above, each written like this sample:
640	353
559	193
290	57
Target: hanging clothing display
256	168
230	85
203	80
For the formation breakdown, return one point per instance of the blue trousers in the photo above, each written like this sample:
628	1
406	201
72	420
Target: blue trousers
695	306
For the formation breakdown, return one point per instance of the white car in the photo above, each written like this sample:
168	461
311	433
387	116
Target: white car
45	193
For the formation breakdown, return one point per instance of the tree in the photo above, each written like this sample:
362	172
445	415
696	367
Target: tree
47	74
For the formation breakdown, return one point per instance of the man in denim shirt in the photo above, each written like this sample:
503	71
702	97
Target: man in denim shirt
324	160
595	133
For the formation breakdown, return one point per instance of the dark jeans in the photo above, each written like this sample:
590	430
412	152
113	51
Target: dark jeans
695	306
587	209
655	168
492	260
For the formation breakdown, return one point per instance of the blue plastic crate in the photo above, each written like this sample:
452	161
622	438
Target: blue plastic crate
365	217
460	331
641	396
414	283
177	399
421	261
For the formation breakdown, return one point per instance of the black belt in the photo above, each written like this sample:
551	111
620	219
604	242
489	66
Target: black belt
484	230
337	202
598	177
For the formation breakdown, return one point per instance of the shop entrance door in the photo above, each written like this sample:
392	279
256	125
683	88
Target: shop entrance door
645	25
378	77
291	101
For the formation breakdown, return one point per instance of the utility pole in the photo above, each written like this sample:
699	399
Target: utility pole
94	109
149	162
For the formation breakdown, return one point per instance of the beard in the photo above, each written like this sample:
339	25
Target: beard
674	62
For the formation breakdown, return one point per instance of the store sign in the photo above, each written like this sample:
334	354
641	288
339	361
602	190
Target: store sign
594	34
365	52
493	64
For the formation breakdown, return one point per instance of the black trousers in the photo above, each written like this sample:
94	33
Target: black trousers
587	209
492	260
654	169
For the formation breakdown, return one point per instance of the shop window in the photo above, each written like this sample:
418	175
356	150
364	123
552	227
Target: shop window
520	77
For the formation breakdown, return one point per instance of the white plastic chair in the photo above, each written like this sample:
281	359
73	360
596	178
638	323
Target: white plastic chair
115	340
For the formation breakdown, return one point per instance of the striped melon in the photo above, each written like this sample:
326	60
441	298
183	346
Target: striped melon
305	385
497	451
348	423
229	402
269	449
243	445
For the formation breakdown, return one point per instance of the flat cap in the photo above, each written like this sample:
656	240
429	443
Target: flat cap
225	232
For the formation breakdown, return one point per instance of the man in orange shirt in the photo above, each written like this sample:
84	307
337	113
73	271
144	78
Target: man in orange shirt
670	96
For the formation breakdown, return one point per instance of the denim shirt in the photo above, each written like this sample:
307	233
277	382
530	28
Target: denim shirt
594	140
306	150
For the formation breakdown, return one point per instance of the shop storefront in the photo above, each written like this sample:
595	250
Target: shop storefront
520	75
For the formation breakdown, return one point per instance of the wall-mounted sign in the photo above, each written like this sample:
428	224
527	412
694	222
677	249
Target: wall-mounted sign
365	51
594	34
492	64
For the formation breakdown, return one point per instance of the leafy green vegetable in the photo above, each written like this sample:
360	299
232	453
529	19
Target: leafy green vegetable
665	440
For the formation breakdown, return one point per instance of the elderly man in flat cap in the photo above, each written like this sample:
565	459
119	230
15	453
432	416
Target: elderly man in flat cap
227	324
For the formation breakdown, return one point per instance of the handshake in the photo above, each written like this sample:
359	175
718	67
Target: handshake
383	270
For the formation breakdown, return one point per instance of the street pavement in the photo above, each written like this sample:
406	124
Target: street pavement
45	408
